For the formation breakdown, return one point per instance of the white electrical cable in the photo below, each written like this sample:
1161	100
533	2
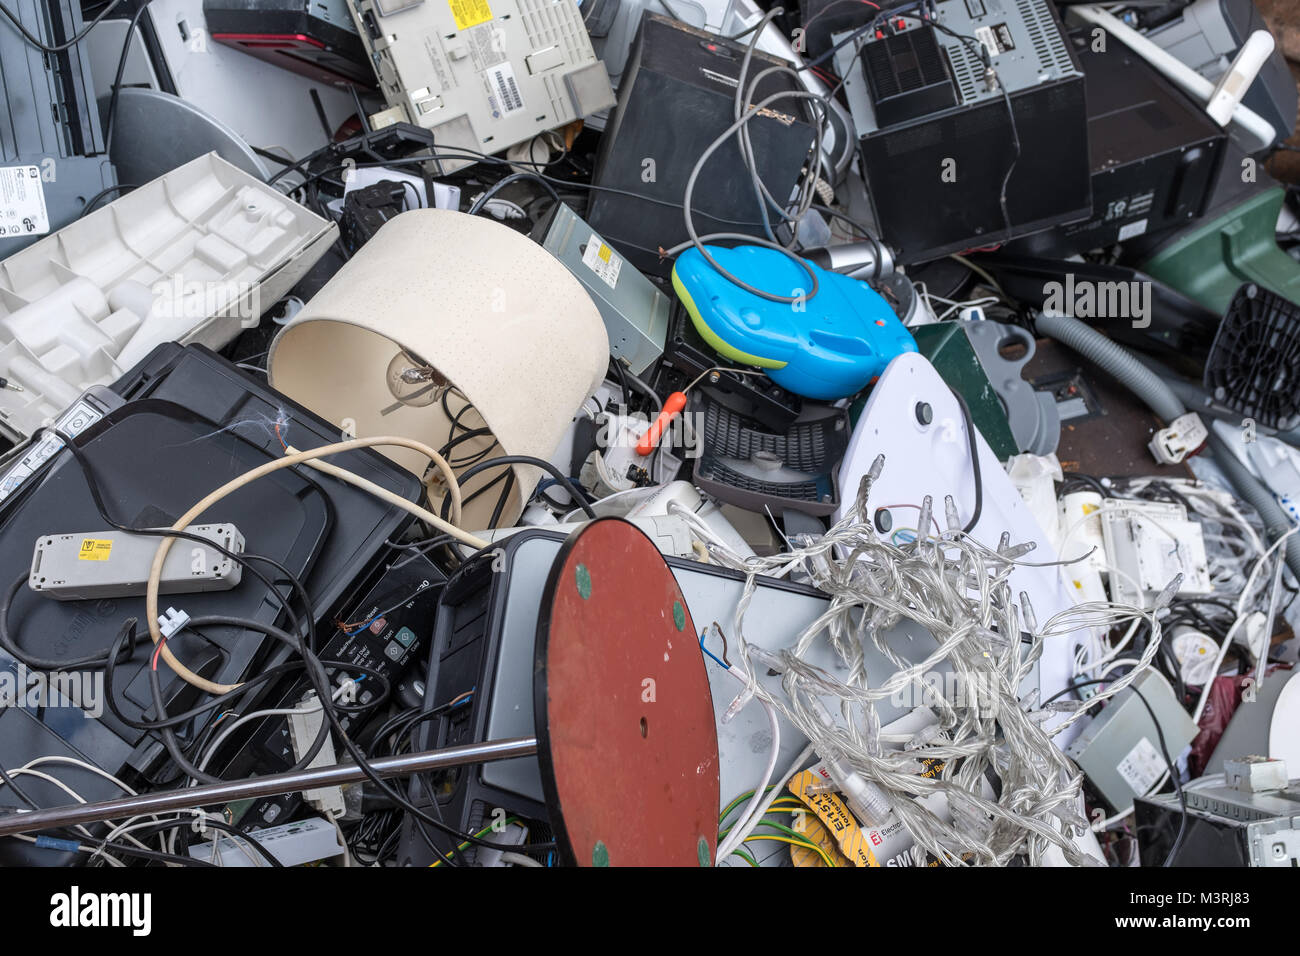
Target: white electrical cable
800	760
958	590
230	728
343	840
234	725
292	458
748	821
1192	83
1241	618
518	859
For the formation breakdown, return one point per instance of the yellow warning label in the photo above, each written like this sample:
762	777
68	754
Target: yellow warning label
811	828
605	252
469	13
94	549
837	818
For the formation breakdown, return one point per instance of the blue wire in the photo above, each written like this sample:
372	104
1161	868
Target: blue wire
716	660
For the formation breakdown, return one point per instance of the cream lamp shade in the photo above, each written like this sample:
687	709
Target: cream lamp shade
442	325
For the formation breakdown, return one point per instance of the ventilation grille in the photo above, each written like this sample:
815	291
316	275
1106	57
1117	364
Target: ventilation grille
907	75
556	24
967	70
1046	39
796	469
904	62
1254	365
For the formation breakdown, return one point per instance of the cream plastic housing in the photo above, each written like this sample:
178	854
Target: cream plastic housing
193	256
497	316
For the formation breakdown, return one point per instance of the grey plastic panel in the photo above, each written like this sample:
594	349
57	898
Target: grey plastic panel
113	564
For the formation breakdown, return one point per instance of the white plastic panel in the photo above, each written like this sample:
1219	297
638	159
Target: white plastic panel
482	75
193	256
934	460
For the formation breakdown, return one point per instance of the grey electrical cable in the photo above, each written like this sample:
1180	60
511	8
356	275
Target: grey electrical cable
807	194
1114	359
644	389
746	89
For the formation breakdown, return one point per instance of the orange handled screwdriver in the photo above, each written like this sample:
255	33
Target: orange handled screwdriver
675	403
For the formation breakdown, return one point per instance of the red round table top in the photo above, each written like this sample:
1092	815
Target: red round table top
627	743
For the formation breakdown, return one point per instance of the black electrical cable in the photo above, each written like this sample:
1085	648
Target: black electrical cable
110	121
19	792
621	375
481	202
401	726
172	743
243	559
177	720
422	549
67	44
360	759
317	673
536	462
320	682
10	645
424	780
1164	752
474	495
95	199
858	227
154	856
502	499
974	462
241	835
461	439
476	157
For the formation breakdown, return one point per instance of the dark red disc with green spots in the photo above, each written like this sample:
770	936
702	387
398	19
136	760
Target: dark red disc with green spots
627	742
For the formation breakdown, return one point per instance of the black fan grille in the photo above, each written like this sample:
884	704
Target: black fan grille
1254	365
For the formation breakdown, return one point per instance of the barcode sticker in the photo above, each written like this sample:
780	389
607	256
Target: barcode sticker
22	202
1129	230
504	88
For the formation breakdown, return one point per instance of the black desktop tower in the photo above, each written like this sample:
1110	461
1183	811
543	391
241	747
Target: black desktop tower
676	97
1155	156
939	131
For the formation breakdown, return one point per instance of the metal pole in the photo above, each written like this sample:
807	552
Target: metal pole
266	786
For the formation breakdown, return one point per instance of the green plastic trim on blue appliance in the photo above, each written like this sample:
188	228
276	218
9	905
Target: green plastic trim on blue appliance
827	347
706	333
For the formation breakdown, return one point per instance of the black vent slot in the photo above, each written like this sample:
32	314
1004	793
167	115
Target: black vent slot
1254	365
908	75
745	464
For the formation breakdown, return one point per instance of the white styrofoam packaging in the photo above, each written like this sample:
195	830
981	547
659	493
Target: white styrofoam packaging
194	256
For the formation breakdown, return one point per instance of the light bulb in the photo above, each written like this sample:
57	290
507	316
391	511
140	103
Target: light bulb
414	381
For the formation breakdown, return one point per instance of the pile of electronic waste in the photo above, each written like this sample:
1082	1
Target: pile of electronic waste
375	374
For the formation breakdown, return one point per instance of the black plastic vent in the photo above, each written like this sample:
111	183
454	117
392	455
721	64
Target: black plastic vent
743	463
908	75
1254	364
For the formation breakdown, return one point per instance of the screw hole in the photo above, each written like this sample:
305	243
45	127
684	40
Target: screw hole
644	727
